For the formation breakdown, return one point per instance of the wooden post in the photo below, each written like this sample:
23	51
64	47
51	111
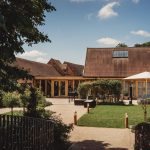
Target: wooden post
73	84
88	110
136	90
45	87
52	88
146	87
66	88
59	88
75	118
126	120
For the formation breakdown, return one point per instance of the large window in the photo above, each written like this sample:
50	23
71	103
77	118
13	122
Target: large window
70	86
76	83
141	89
120	54
62	87
56	88
148	87
48	88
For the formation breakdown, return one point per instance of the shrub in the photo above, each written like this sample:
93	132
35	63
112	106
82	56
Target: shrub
1	98
48	103
11	100
142	136
100	87
83	89
36	104
120	103
61	134
125	93
115	88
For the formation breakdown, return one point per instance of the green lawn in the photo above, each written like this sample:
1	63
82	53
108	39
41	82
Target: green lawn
112	116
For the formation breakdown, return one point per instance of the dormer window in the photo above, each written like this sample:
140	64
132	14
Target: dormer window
120	54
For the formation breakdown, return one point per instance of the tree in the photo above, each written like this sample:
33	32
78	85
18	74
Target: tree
25	97
19	25
115	88
146	44
35	104
144	103
121	45
83	89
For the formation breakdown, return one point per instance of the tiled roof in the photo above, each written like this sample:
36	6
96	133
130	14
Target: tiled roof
76	70
100	63
36	68
57	65
67	68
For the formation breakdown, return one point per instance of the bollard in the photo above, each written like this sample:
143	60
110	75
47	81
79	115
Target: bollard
75	118
126	120
88	110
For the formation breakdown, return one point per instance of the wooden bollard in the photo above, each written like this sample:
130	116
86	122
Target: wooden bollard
88	110
75	118
126	120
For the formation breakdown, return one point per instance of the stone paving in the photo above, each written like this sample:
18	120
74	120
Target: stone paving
91	138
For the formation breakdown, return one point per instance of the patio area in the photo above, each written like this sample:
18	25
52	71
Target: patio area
91	138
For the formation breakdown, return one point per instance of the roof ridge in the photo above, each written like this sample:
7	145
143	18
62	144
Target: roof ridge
31	61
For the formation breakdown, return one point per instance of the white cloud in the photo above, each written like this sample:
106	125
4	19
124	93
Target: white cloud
107	11
135	1
78	1
42	60
107	41
141	33
33	53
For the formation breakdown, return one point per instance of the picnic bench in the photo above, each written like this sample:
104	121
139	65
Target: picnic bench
92	103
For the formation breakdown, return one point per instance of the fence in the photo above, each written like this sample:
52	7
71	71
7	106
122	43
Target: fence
25	133
142	136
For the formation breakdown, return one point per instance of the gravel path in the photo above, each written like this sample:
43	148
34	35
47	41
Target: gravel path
91	138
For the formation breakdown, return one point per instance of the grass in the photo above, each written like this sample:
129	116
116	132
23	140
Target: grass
15	113
113	116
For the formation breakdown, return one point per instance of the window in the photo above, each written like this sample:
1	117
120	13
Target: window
56	88
141	89
120	54
62	87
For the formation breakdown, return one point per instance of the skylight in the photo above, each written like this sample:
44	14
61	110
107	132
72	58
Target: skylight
120	54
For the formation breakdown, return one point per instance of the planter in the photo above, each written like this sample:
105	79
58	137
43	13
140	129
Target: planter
125	97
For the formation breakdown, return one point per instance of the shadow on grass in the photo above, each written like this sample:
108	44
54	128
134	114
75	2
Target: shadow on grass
93	145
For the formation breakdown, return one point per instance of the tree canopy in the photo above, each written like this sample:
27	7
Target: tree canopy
19	25
102	87
122	45
146	44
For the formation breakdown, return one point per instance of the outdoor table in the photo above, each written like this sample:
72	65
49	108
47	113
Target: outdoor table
92	103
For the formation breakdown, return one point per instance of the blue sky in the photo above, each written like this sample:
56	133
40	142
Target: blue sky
78	24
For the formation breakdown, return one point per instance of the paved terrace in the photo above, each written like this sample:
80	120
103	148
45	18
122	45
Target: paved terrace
6	110
91	138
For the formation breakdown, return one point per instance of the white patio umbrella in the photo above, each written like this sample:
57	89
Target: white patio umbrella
142	76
